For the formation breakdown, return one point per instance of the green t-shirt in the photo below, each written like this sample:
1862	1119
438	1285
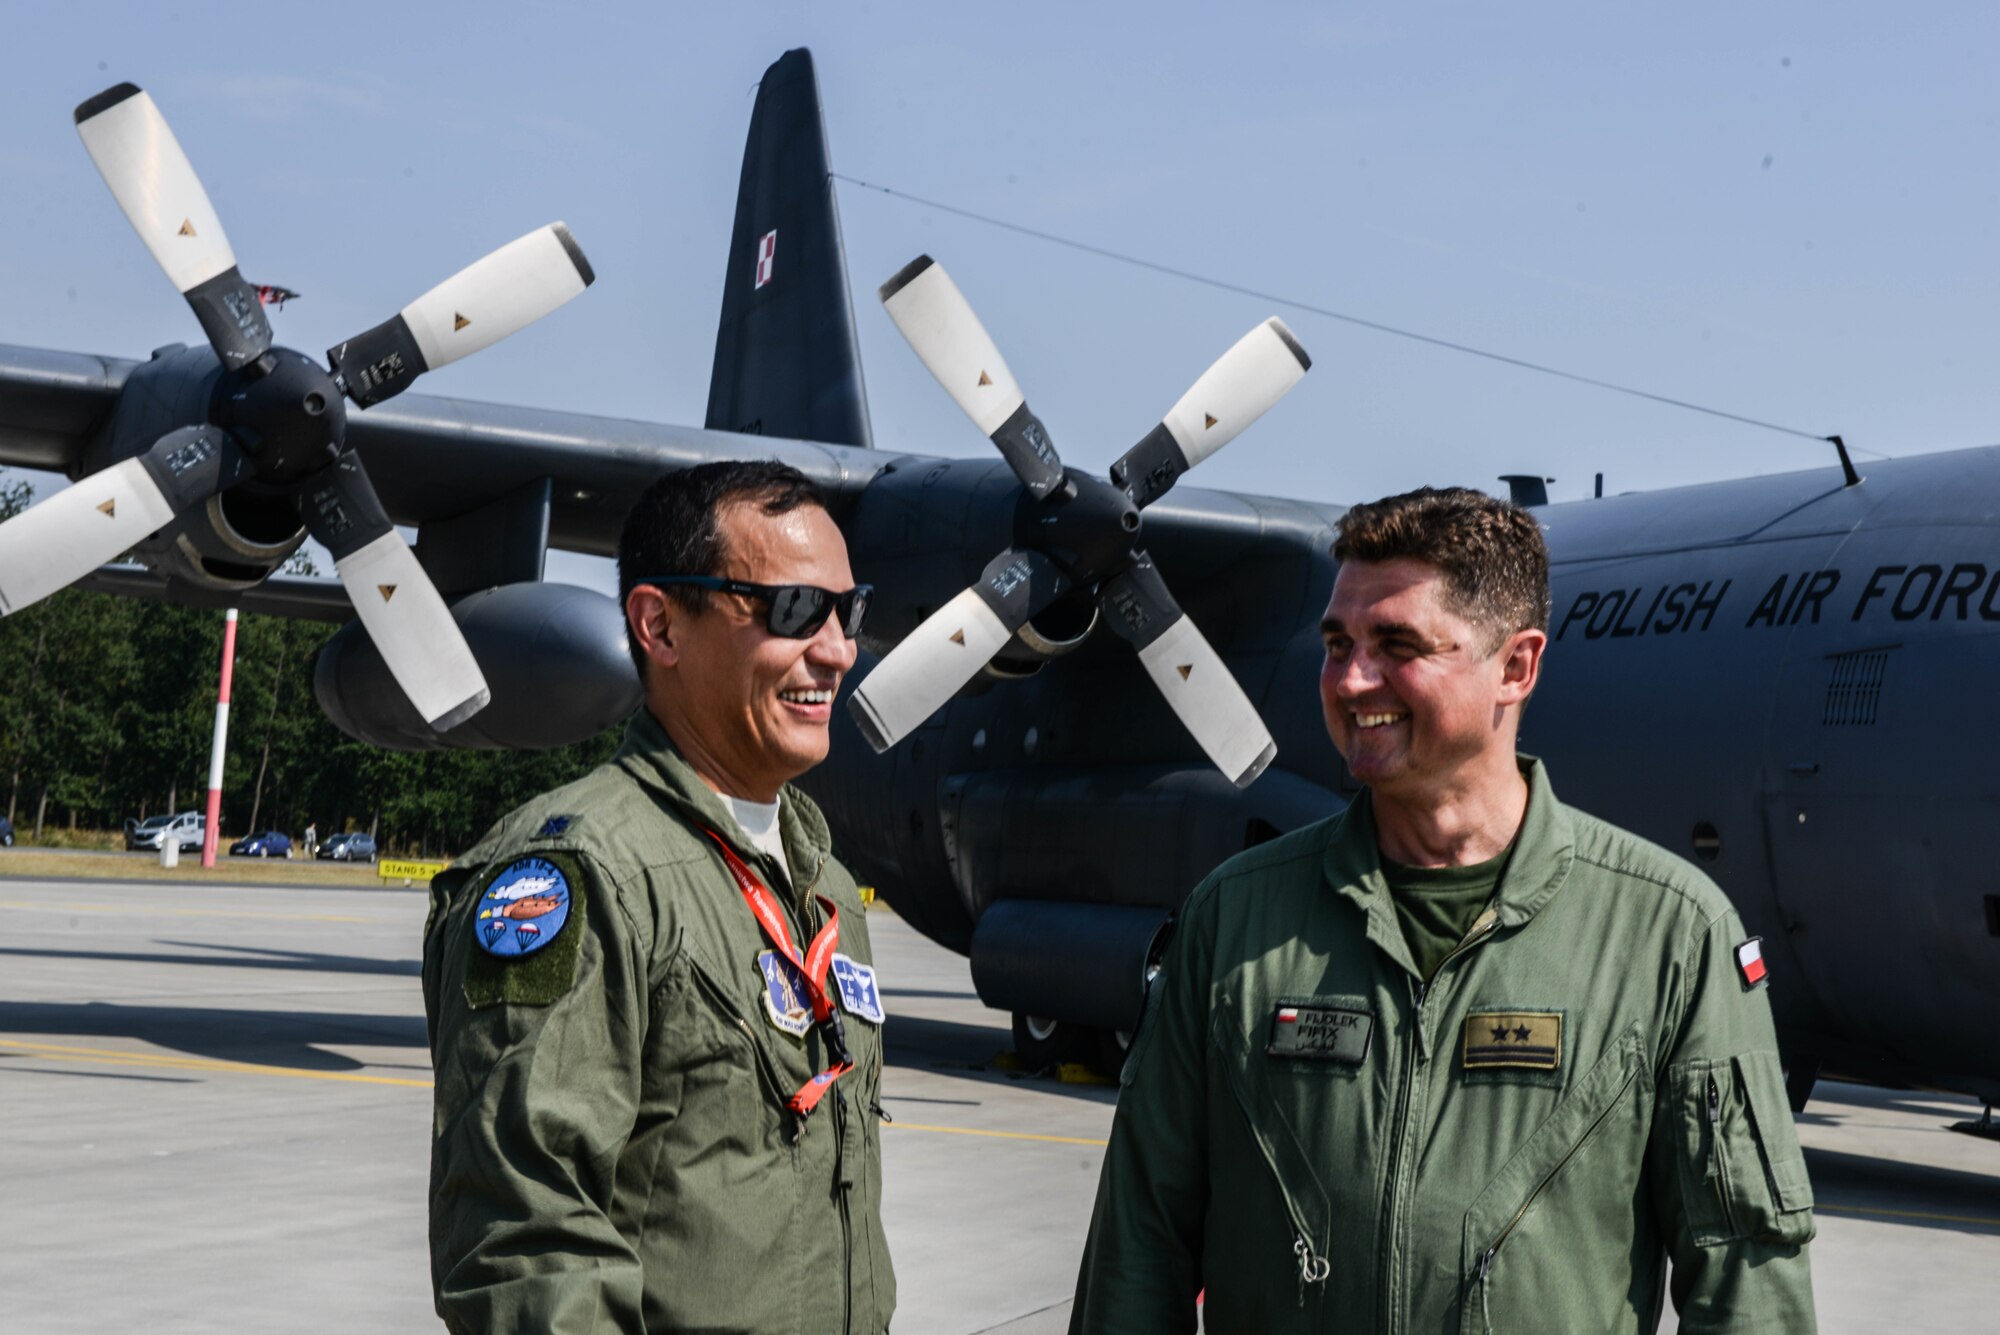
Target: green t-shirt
1438	905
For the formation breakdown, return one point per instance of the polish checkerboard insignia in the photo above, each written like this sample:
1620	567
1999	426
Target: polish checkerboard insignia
1750	963
859	994
523	909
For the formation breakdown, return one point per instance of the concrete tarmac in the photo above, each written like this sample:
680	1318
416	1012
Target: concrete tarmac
217	1107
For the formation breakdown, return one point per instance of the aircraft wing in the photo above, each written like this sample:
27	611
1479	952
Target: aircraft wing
434	458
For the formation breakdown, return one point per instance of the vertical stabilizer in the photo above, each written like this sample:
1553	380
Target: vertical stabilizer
786	360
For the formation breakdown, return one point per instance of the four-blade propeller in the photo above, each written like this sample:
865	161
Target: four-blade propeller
280	427
1075	532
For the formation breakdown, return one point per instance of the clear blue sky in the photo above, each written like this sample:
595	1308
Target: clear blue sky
1784	210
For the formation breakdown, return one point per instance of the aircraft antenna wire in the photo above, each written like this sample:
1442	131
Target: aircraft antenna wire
1342	316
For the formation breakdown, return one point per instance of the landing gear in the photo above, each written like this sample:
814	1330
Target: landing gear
1043	1044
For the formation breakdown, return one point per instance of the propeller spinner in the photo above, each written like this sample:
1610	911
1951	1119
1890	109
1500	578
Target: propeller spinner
279	425
1075	532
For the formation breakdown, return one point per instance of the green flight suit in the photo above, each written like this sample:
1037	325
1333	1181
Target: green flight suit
1586	1087
611	1148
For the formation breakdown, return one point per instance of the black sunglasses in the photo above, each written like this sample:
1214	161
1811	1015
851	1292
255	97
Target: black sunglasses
797	610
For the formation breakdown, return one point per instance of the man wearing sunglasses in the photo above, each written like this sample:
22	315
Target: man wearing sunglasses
653	1009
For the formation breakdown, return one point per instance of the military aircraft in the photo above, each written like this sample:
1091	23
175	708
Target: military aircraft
1776	677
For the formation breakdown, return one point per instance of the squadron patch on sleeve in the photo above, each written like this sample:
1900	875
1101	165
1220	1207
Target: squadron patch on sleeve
524	946
859	994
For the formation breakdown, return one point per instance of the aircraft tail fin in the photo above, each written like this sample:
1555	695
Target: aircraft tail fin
786	359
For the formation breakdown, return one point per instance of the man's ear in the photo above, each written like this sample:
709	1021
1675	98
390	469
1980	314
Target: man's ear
1521	665
651	618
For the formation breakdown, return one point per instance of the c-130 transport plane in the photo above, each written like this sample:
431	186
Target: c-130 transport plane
1751	673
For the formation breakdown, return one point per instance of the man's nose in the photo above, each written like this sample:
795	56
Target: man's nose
1357	676
830	647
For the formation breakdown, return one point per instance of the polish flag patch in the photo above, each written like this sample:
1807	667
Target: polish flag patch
1288	1015
1750	962
767	256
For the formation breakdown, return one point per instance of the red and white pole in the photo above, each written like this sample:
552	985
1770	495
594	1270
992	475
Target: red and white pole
214	822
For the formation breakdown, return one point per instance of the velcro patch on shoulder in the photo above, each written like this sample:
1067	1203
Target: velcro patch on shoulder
526	931
1513	1040
1318	1031
555	827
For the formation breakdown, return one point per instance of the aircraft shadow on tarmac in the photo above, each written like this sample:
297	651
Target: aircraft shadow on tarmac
1923	1195
260	1037
244	957
972	1052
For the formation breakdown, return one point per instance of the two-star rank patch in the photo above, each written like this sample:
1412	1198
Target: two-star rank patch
1750	963
1513	1041
1319	1032
786	1003
859	994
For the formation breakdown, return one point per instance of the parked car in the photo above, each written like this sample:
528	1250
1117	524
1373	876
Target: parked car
349	848
270	844
6	833
188	828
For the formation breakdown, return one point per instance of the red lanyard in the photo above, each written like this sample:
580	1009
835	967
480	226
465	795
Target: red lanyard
812	968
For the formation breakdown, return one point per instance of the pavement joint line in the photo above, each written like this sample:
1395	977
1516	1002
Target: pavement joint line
900	1125
1908	1214
155	912
164	1061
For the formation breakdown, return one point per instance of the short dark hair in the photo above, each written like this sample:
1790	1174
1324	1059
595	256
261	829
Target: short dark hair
675	529
1490	552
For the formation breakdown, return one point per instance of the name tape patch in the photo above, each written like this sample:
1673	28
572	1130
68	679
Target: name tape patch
1513	1040
1318	1032
523	909
859	994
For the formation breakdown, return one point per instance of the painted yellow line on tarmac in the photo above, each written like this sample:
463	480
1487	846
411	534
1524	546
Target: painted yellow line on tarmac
1908	1214
160	911
170	1062
1000	1135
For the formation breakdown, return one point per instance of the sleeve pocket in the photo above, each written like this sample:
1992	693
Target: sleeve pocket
1742	1173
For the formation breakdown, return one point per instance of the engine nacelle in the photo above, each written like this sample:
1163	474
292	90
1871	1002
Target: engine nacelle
554	656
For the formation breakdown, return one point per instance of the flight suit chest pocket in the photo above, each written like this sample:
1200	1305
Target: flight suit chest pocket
1742	1173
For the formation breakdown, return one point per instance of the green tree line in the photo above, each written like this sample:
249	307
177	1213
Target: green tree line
107	713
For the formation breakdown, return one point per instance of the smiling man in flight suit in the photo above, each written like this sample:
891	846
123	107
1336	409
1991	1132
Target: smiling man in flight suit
1460	1057
653	1009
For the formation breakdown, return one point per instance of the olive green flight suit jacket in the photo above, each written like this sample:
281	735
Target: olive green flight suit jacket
1585	1088
611	1149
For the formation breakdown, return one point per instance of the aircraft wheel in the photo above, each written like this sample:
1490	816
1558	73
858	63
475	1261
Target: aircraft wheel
1042	1044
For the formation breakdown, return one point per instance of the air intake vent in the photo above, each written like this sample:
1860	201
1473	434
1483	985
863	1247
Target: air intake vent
1854	688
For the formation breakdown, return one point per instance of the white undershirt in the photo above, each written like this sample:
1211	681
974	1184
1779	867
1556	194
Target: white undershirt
759	823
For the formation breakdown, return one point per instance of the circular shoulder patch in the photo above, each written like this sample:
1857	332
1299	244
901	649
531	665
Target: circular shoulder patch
523	908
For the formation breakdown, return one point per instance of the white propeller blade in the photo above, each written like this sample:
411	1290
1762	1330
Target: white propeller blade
153	181
1198	686
55	543
937	658
412	629
938	322
1245	381
499	295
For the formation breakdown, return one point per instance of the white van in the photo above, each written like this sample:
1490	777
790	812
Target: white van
187	829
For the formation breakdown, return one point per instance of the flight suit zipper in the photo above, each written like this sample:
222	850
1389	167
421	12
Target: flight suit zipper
1420	992
1719	1170
1484	1265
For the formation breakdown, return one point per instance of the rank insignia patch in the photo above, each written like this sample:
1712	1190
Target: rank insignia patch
1513	1040
1750	963
859	994
553	826
785	1001
523	910
1320	1032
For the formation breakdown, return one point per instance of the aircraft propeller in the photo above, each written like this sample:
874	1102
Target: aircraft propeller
1073	532
278	421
